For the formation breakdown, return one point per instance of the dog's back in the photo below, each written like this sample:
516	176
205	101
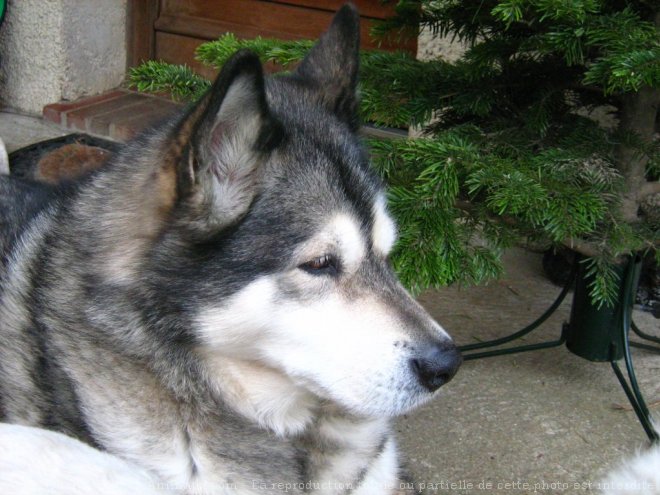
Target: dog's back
20	202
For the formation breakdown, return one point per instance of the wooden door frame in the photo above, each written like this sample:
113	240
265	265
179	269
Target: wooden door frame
140	34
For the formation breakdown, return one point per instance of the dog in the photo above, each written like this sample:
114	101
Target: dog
639	475
214	305
4	159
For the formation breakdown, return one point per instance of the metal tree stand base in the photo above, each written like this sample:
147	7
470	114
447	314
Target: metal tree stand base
596	334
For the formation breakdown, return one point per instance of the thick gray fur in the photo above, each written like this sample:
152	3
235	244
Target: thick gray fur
101	285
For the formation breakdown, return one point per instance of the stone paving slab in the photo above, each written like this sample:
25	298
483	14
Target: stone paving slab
546	418
18	131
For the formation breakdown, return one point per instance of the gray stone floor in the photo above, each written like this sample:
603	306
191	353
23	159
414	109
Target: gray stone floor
539	422
19	130
544	416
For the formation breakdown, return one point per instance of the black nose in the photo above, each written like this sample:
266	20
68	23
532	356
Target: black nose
436	364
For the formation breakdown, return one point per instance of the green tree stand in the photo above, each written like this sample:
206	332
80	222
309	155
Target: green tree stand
596	333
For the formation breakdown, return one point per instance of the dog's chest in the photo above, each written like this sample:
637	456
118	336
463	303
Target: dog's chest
211	447
342	453
336	455
287	438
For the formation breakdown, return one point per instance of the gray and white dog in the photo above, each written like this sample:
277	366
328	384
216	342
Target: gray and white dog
215	306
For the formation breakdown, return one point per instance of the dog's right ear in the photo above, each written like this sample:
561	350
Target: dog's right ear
203	174
232	134
331	66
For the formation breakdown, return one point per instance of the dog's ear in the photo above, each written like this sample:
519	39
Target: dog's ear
233	134
331	66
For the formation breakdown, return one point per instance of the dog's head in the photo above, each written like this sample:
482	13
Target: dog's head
277	236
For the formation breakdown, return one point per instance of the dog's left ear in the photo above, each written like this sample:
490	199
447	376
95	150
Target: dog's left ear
331	66
230	140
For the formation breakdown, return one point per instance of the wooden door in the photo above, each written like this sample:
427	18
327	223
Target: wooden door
170	30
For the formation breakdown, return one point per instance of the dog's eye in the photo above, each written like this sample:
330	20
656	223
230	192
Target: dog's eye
323	265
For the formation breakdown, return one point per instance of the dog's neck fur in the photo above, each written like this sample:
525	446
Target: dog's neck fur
274	401
262	395
330	438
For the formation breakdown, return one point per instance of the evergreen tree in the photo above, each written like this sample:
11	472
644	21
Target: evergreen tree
512	150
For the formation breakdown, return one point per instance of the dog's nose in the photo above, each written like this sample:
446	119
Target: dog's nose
436	364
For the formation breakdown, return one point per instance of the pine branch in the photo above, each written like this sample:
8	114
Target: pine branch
177	80
283	53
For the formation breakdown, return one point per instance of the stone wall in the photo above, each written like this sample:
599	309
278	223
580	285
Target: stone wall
430	47
60	50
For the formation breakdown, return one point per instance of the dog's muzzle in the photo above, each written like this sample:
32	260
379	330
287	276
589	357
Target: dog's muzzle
436	364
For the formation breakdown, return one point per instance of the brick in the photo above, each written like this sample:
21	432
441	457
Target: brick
151	113
52	114
80	118
119	114
56	111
